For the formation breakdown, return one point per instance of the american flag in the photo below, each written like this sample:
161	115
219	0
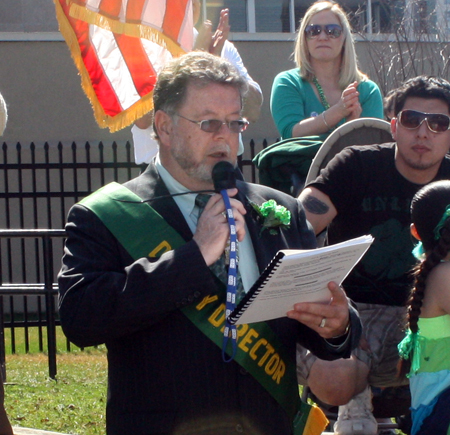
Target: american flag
119	47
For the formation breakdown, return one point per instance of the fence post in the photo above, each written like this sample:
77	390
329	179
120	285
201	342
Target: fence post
50	304
2	342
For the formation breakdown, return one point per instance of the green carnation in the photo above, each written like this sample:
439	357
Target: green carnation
273	216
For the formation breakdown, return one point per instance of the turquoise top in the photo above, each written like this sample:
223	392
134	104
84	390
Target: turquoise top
293	99
431	373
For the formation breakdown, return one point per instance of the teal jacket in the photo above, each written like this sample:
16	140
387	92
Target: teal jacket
293	99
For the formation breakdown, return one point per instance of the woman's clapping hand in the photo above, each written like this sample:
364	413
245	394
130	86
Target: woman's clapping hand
349	102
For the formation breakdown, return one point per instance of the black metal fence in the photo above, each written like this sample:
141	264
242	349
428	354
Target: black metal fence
38	185
40	314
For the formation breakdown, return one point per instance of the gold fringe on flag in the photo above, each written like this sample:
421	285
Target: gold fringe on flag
141	107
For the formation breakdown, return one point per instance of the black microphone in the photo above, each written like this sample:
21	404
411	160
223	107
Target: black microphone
224	176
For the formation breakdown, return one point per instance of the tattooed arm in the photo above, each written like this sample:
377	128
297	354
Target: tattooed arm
319	209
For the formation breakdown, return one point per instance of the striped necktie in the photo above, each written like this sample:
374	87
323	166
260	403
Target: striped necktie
220	268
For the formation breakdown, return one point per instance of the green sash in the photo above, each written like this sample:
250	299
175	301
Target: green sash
259	351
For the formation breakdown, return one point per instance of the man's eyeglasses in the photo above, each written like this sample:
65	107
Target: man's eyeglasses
436	122
214	125
331	30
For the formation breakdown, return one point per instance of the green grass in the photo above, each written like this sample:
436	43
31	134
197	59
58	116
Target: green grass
19	334
74	403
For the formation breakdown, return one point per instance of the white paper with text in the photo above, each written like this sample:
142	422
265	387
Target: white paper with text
299	276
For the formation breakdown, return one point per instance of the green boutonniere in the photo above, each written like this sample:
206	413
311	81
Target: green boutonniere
272	215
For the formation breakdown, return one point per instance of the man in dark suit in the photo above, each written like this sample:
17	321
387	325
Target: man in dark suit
137	277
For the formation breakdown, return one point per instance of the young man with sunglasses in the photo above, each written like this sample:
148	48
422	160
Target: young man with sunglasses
142	267
368	190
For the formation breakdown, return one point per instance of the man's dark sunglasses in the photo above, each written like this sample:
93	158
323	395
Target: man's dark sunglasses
331	30
436	122
214	125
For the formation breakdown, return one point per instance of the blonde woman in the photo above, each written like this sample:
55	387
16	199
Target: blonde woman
326	88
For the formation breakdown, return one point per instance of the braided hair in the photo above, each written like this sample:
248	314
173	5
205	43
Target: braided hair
428	209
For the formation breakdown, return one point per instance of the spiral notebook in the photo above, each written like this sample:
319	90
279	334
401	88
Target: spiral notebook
298	276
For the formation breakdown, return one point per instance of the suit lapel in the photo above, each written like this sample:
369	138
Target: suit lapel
264	244
149	185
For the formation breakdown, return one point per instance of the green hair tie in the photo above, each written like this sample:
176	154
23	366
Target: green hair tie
440	225
410	346
418	250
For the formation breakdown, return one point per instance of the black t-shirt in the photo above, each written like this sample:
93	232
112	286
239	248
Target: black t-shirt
372	197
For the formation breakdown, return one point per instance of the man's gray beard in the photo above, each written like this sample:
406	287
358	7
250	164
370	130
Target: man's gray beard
201	171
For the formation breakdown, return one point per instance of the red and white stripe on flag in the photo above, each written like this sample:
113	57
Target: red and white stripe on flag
119	47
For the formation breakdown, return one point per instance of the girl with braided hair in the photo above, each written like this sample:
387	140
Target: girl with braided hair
425	351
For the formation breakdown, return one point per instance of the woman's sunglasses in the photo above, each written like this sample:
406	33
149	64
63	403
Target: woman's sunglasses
436	122
331	30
